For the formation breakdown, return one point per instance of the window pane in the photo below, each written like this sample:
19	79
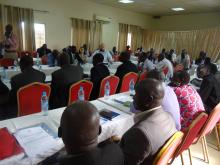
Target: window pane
129	39
39	34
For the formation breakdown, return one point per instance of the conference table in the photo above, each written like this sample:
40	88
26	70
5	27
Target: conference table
117	126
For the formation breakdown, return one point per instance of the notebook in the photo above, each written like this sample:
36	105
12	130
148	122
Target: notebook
8	144
108	114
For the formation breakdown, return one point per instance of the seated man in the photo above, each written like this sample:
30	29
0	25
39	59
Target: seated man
43	50
209	89
170	103
79	129
28	75
62	79
152	128
98	72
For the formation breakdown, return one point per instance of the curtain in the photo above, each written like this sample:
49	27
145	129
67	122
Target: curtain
193	41
86	32
15	16
136	36
123	36
96	35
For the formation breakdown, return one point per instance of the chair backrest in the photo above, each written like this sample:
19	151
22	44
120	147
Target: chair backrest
44	59
179	67
74	88
113	81
191	134
142	76
29	98
34	54
212	120
126	81
6	62
165	70
167	151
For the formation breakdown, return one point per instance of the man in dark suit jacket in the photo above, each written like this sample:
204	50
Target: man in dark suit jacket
79	129
153	126
98	72
43	50
125	68
28	75
62	79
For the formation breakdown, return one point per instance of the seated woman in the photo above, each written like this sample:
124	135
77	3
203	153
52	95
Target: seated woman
98	72
189	100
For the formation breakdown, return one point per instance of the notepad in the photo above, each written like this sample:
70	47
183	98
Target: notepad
36	140
108	114
124	100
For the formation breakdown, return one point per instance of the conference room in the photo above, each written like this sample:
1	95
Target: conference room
93	82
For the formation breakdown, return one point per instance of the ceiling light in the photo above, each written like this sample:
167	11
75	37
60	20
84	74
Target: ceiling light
178	9
126	1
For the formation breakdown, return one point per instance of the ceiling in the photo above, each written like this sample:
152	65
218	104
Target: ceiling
163	7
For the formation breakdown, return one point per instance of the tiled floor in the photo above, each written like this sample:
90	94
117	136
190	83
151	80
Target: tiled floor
197	154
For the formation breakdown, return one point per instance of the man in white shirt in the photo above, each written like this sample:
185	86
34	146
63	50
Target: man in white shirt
163	63
148	65
105	53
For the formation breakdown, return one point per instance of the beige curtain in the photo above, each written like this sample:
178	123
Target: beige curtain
123	36
15	16
193	41
136	36
81	32
96	35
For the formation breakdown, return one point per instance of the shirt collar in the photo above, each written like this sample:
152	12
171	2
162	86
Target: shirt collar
140	116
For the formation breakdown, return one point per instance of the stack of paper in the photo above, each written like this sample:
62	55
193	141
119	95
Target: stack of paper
35	140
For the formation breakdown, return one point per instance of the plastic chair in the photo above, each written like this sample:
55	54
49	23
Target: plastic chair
126	81
6	62
179	67
167	151
210	124
190	135
142	76
113	81
29	98
44	59
34	54
165	70
74	88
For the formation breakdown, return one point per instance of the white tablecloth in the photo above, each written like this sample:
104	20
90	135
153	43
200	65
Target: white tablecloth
118	126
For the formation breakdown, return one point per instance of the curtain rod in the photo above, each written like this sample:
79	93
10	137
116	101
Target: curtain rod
41	11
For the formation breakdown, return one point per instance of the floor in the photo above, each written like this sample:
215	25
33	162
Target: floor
197	154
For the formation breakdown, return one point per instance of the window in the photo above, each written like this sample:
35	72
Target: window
129	39
39	30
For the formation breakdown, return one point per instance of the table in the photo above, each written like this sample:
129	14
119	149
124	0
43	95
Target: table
118	126
14	71
117	100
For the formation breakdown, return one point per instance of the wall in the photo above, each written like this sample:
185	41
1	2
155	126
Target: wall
58	24
187	22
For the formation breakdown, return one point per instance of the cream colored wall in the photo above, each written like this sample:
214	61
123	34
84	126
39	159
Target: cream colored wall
58	24
187	22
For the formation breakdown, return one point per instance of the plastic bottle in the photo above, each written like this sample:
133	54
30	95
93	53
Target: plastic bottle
81	94
131	88
15	65
4	76
44	103
107	89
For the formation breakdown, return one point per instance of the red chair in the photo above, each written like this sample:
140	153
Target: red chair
126	81
25	53
142	76
210	124
165	70
190	135
34	54
113	81
168	150
74	88
6	62
29	98
179	67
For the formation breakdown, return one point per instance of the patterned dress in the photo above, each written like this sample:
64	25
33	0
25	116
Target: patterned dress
190	104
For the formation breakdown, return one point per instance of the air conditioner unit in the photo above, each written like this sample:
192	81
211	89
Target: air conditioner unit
103	19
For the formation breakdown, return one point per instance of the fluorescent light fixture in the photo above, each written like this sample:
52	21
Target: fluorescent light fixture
178	9
126	1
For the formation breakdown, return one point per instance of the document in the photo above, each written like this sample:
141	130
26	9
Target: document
35	140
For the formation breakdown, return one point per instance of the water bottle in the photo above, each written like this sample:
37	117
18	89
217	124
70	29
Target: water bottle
15	65
107	89
81	94
44	104
131	88
4	76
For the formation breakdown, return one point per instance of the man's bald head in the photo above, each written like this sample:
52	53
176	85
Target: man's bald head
80	127
149	94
